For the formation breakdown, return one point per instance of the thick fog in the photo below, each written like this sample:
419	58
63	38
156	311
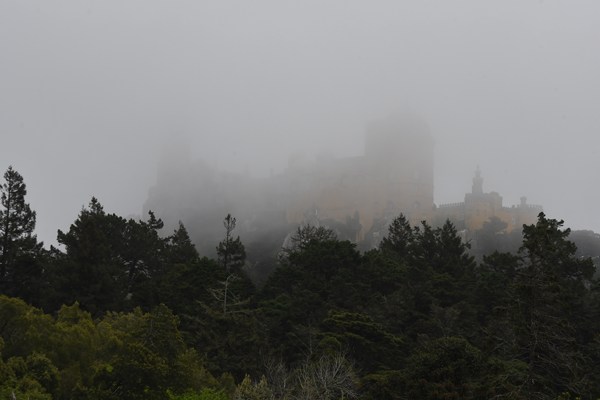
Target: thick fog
93	92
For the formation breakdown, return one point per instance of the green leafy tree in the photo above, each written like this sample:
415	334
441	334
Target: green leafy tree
204	394
32	378
148	357
248	390
23	328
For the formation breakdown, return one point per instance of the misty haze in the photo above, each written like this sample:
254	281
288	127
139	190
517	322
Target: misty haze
291	188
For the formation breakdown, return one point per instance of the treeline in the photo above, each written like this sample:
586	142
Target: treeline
121	312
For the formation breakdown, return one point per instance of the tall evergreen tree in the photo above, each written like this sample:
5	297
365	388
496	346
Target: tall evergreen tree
231	252
550	290
92	270
17	222
400	238
180	248
110	263
232	257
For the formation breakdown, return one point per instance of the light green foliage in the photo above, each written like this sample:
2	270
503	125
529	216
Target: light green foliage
204	394
32	378
24	329
248	390
146	354
124	355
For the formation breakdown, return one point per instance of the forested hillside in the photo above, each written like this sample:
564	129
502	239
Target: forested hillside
123	312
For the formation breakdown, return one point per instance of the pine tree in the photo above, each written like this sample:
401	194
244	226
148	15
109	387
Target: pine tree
231	252
180	248
232	257
400	238
17	222
550	289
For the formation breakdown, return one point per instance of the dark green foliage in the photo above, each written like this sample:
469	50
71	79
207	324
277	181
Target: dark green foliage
365	341
493	237
231	252
307	234
133	315
185	287
230	343
493	288
110	263
437	278
446	368
550	290
180	248
400	239
588	245
91	271
20	271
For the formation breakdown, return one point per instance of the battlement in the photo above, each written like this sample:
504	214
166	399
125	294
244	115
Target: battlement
452	205
535	207
480	206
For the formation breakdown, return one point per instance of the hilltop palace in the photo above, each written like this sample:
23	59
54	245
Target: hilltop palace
395	175
360	195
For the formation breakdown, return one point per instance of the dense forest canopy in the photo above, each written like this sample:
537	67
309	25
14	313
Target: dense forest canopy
123	311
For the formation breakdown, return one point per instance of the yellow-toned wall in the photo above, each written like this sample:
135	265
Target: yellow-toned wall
395	175
473	215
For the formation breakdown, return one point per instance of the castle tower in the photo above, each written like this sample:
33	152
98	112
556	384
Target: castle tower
395	175
399	155
477	182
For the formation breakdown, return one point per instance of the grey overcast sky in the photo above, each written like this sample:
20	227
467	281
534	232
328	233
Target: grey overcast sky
91	90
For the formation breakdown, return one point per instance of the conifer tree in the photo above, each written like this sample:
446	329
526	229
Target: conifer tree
180	247
232	256
17	222
400	238
231	252
550	291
